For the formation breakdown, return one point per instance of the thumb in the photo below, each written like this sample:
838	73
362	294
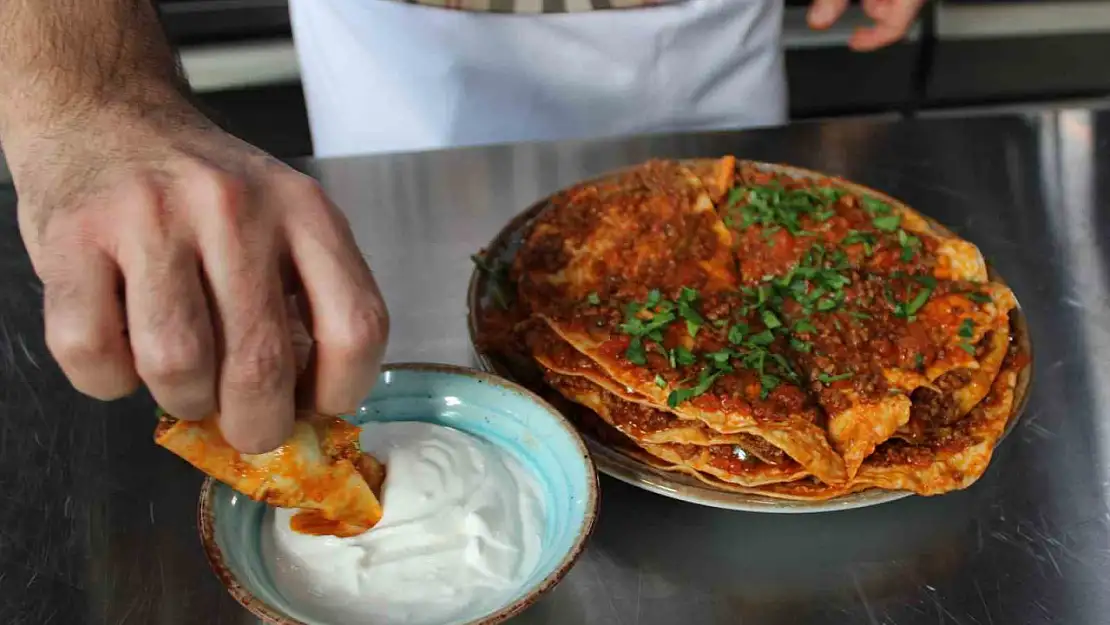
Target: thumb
823	13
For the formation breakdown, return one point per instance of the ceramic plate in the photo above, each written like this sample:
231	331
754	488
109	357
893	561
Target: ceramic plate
627	467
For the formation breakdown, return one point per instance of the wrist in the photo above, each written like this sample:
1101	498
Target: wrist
39	115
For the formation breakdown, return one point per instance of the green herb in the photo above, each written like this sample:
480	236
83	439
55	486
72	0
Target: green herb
770	320
683	356
825	378
736	333
867	239
762	339
681	395
826	304
875	206
660	382
910	244
687	299
919	361
967	347
967	328
908	310
636	354
767	384
593	299
800	345
720	358
720	323
653	298
979	298
887	223
803	325
859	315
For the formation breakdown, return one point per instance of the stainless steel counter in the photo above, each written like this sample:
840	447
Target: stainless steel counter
97	525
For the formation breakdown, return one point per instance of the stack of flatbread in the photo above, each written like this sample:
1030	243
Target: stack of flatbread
782	334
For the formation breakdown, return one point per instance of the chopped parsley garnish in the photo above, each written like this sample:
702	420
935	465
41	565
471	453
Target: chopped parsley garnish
770	319
967	347
979	298
736	333
918	360
803	325
660	382
681	395
687	300
636	354
967	329
910	244
761	339
593	299
867	239
908	309
875	206
683	356
859	315
800	345
887	223
775	207
825	378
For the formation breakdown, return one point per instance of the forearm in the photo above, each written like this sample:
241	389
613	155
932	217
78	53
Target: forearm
61	60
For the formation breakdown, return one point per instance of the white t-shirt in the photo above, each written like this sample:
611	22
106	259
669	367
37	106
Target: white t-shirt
383	76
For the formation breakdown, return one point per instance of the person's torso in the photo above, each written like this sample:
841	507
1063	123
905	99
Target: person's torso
387	75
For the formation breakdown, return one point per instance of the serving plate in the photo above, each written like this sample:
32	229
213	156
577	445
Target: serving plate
626	465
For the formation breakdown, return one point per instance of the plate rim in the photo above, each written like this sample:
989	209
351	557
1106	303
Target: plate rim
685	488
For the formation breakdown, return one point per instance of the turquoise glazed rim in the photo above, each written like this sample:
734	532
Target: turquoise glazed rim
478	403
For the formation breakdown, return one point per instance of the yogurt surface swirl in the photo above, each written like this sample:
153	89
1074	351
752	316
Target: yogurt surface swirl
460	534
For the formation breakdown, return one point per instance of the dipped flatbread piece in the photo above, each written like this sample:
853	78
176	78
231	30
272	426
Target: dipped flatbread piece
317	469
777	218
654	226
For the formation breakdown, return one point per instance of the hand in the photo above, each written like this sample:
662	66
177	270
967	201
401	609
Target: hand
167	249
892	19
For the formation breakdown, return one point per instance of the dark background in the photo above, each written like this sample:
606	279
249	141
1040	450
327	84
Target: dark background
930	73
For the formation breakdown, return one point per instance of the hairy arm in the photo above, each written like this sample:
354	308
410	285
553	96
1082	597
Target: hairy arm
63	60
166	247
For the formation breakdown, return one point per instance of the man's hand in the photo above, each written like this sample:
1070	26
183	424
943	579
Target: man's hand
167	249
892	19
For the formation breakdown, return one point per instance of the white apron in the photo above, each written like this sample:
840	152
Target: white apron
384	76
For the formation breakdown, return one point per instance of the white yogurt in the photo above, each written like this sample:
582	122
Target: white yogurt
460	533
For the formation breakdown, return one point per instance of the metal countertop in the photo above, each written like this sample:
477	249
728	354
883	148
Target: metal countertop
97	525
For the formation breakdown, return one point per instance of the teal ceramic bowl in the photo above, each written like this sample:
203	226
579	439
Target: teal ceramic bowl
478	403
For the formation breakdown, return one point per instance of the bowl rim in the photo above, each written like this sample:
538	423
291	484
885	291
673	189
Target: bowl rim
268	614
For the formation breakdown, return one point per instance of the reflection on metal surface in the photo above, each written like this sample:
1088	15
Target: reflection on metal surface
1029	543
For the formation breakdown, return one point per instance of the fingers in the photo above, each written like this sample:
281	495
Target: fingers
347	317
824	13
893	19
239	253
167	313
85	329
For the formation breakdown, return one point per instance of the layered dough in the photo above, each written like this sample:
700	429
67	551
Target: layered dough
789	335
